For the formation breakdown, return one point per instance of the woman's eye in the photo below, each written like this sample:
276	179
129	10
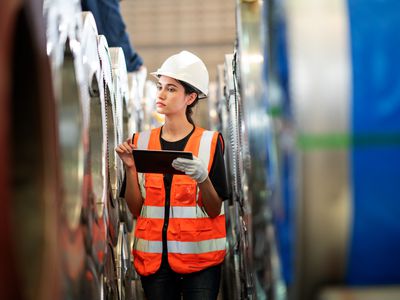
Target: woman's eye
171	90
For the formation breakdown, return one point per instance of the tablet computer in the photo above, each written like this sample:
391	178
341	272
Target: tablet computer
158	161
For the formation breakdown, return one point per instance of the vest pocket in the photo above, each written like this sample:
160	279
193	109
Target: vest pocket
140	231
155	194
184	194
194	230
141	226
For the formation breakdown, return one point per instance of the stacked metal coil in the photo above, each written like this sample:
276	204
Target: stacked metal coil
29	171
65	108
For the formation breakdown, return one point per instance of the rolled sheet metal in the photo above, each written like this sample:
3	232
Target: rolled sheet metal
124	265
110	275
238	154
280	145
344	90
236	280
8	272
72	98
110	143
93	288
133	106
257	134
141	102
28	159
97	167
63	46
90	53
118	64
120	81
320	91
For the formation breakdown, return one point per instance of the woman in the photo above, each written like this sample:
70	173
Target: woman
180	231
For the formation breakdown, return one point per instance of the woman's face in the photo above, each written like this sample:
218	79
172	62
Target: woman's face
171	97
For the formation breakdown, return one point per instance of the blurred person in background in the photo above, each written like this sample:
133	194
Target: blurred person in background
109	21
180	231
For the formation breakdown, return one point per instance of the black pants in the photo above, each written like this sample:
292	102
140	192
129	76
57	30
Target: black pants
165	284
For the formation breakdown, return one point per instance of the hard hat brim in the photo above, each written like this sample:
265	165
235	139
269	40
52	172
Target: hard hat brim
159	73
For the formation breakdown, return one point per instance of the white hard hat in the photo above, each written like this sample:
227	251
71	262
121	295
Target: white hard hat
187	67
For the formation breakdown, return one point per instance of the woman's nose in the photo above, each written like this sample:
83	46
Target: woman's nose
161	94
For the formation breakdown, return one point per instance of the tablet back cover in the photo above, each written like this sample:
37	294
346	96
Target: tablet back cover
158	161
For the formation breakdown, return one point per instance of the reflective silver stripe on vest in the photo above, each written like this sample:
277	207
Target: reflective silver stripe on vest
143	140
152	212
148	246
196	247
157	212
205	147
204	153
141	179
187	212
181	247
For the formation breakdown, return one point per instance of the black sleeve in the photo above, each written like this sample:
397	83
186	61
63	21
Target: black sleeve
218	173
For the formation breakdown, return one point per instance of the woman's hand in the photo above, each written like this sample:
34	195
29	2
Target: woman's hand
124	151
195	168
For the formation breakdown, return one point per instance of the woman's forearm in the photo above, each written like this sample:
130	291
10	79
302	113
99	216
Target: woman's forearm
211	201
133	196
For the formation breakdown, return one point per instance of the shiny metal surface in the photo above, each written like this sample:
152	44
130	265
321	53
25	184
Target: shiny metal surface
96	212
70	118
111	175
62	182
118	65
29	176
231	281
97	128
240	211
124	268
120	81
92	287
258	126
71	92
63	30
123	264
133	106
141	101
90	54
110	275
320	89
105	61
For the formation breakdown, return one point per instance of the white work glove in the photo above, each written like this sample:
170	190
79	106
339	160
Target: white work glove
194	168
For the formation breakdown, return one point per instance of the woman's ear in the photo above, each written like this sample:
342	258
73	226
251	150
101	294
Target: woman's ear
191	98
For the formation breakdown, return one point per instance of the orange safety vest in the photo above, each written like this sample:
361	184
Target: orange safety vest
194	240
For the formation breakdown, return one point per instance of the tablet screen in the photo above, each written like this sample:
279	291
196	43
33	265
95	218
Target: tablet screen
158	161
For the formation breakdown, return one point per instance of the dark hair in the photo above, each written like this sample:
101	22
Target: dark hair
188	90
